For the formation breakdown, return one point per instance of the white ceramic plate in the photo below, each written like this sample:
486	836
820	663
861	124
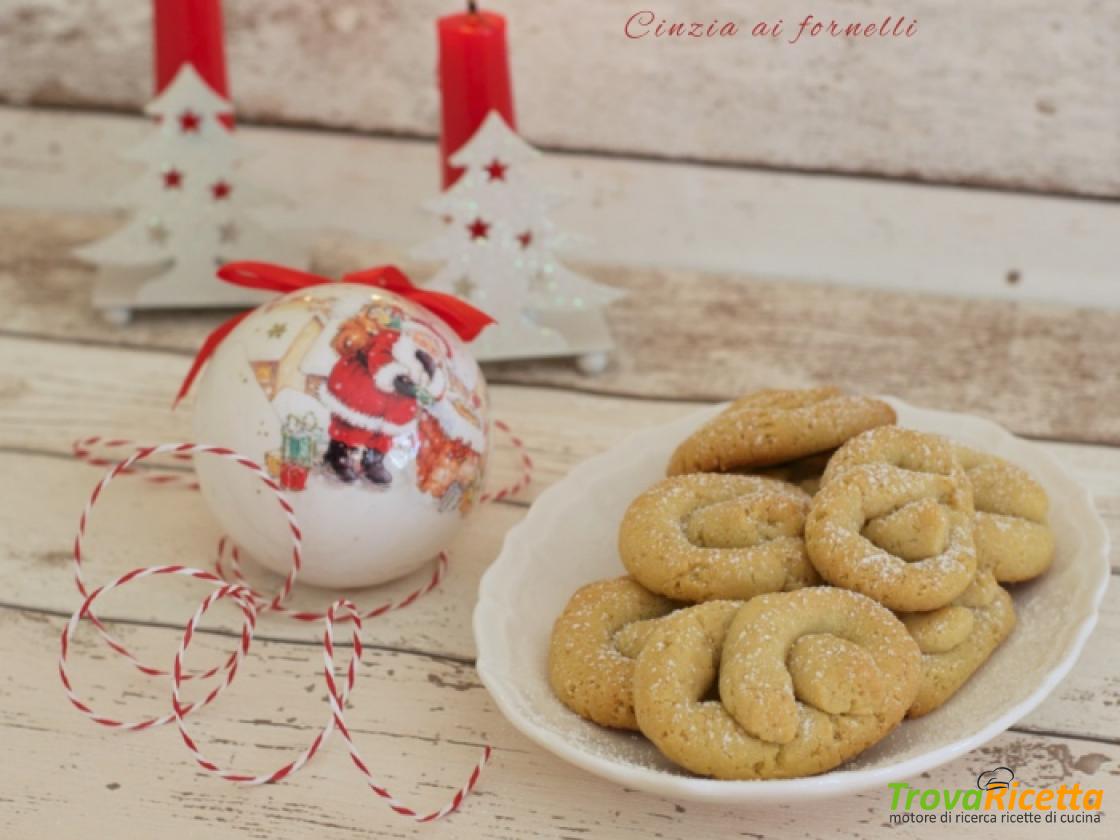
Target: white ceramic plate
568	539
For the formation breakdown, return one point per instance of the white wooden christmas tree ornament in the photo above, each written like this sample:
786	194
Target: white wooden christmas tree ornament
190	212
498	250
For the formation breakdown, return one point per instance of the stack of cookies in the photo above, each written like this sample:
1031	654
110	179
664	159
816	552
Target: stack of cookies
806	576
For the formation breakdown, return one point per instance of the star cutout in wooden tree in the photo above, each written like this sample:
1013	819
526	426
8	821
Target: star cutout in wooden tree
496	170
479	229
221	190
189	122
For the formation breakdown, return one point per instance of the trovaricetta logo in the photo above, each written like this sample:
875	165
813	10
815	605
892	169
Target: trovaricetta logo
997	798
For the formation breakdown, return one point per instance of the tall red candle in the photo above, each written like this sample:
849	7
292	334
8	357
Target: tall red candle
473	79
189	30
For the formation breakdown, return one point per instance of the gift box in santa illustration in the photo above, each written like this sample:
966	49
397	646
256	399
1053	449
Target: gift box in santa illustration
375	391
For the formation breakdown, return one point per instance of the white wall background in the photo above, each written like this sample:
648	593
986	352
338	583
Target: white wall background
1019	94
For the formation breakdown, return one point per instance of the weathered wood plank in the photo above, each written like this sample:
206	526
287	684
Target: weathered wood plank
1004	93
135	526
420	722
849	231
127	394
1041	370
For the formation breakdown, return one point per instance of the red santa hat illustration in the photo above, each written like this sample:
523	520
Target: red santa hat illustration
374	394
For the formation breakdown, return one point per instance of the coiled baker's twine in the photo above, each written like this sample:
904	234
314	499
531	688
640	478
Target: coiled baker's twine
231	584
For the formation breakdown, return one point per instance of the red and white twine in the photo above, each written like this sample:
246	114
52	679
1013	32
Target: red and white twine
337	700
525	462
87	451
229	583
85	611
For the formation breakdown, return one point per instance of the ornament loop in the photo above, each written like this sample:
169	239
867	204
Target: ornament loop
229	668
178	449
235	574
179	709
337	701
251	603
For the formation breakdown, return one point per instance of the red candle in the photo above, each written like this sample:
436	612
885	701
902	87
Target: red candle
473	79
189	30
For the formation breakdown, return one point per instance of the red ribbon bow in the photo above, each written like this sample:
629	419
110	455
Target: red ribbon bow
464	319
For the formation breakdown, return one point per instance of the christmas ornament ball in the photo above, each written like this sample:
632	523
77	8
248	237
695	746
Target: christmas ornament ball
366	409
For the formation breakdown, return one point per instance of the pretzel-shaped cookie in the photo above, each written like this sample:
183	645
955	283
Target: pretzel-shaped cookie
1012	536
708	536
852	672
771	426
958	639
899	447
1009	528
594	642
919	555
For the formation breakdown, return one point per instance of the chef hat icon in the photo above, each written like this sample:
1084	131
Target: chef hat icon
996	779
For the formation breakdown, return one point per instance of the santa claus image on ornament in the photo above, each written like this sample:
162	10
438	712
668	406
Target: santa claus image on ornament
374	392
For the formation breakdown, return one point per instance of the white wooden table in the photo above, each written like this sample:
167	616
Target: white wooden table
1045	370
